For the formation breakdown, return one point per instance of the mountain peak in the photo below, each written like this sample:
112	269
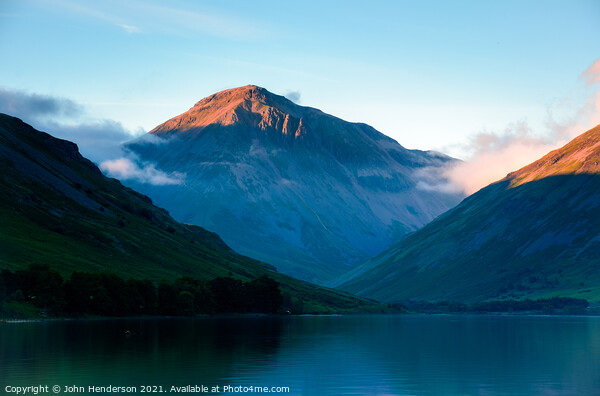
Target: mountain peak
249	105
247	92
299	188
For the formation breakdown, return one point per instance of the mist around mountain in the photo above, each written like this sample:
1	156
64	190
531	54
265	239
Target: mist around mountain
307	192
533	234
59	210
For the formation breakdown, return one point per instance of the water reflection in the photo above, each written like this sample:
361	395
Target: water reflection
386	355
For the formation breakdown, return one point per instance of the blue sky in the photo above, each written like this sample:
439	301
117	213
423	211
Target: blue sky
431	74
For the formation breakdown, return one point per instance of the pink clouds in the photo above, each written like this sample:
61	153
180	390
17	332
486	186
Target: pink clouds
488	167
592	74
494	155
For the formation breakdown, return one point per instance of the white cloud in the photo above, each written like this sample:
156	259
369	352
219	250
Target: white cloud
126	169
431	179
130	29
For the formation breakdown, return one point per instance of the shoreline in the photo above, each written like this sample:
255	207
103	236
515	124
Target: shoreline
267	316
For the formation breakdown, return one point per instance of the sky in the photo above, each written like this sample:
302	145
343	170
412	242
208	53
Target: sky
497	84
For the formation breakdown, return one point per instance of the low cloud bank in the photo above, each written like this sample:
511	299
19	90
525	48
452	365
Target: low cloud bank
126	169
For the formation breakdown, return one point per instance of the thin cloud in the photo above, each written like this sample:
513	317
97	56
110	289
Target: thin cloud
126	169
173	20
294	96
149	138
138	17
592	74
108	17
130	29
31	105
494	154
429	180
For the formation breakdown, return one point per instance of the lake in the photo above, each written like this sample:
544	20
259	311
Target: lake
310	355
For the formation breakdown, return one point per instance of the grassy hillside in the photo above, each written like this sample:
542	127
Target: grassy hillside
58	209
535	234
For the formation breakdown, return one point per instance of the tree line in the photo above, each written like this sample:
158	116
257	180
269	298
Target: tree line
553	305
105	294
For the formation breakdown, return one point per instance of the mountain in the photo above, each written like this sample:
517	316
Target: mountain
290	185
57	208
535	233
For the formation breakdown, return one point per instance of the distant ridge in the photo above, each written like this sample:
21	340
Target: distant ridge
290	185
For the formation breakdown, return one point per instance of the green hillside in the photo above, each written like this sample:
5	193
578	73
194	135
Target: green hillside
57	208
534	234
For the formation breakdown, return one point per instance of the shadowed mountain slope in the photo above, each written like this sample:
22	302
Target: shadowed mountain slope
305	191
57	208
535	233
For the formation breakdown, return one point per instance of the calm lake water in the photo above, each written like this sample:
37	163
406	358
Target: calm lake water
343	355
